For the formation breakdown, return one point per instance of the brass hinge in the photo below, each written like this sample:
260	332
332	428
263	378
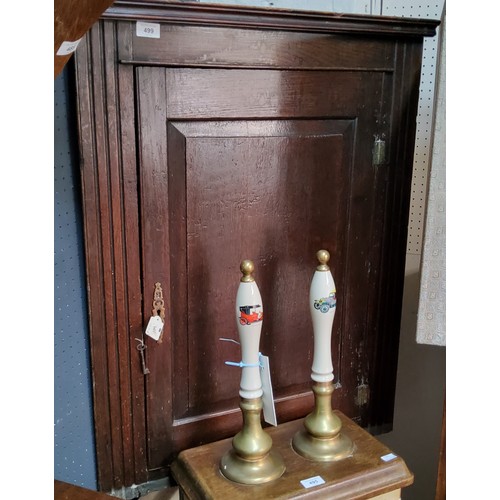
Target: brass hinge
378	151
362	394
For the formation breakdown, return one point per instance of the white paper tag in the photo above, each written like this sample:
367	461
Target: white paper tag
267	392
388	457
312	482
147	30
154	328
67	48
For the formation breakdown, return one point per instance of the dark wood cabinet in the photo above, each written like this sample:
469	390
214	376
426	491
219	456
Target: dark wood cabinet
239	133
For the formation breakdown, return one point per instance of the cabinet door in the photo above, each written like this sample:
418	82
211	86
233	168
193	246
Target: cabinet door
267	165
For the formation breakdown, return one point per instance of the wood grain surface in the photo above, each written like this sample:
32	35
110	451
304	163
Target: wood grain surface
363	475
72	20
66	491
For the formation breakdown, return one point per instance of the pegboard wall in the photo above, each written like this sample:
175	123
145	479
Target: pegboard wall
74	450
347	6
424	134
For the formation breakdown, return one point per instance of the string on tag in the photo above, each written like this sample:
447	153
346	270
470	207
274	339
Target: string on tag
241	364
229	340
245	365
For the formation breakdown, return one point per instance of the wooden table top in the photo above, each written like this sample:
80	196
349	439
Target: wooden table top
360	476
66	491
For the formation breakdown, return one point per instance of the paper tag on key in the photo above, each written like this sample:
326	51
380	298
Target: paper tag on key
267	392
155	327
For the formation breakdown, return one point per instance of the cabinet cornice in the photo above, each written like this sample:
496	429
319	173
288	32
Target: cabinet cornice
273	19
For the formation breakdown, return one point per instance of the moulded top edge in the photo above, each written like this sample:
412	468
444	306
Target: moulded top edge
266	18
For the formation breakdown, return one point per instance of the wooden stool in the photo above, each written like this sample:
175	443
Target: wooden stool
363	475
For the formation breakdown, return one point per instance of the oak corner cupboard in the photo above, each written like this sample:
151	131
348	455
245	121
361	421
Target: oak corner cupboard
227	133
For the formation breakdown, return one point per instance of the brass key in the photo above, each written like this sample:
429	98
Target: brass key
141	347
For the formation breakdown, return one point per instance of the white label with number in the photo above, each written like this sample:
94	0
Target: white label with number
312	482
389	457
67	48
147	30
267	392
154	328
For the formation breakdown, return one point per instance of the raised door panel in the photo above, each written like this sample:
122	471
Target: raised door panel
272	170
255	190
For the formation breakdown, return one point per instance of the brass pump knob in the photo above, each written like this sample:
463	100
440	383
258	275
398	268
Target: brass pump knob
323	257
247	267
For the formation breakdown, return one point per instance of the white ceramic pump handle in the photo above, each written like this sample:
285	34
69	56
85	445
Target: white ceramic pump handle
249	316
322	303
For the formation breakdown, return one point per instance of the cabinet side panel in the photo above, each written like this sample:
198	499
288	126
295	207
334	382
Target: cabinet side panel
112	256
87	72
403	108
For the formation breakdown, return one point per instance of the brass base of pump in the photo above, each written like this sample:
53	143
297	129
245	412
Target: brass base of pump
322	449
251	460
322	439
260	471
